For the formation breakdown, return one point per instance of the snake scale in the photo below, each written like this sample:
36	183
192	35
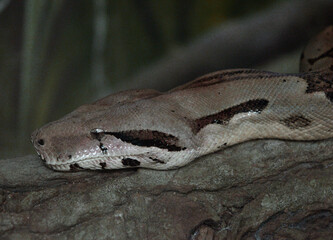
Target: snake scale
151	129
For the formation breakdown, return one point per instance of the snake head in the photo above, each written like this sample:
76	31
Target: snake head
69	144
113	134
77	142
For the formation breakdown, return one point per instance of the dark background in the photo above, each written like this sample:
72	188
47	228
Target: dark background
57	55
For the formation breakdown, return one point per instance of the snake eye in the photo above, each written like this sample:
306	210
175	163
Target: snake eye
97	133
96	130
41	142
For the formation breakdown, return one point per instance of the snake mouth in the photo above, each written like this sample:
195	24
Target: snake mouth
41	156
75	166
61	167
92	163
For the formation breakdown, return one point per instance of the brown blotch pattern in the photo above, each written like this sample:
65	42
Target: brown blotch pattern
320	82
328	53
149	138
223	117
103	148
296	121
103	165
75	167
130	162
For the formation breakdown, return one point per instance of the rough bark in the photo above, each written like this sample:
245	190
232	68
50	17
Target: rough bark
257	190
238	44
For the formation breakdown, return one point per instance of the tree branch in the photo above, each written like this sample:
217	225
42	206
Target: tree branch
258	188
238	44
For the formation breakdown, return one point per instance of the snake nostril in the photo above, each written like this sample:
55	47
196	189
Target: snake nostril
41	142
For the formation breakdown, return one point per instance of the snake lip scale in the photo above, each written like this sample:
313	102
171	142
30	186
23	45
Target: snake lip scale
150	129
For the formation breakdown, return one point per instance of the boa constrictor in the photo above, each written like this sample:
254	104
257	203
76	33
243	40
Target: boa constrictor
147	128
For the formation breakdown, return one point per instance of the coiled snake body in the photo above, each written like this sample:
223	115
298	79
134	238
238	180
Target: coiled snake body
147	128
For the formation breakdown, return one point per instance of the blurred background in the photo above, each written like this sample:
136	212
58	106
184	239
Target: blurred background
57	55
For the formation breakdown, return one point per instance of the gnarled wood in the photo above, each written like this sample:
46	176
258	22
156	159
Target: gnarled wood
256	189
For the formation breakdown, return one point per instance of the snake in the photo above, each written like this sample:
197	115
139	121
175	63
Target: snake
167	130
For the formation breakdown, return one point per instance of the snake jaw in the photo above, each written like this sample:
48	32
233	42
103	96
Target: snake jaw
103	152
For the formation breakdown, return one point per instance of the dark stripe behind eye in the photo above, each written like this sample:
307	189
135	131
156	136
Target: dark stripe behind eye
149	138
